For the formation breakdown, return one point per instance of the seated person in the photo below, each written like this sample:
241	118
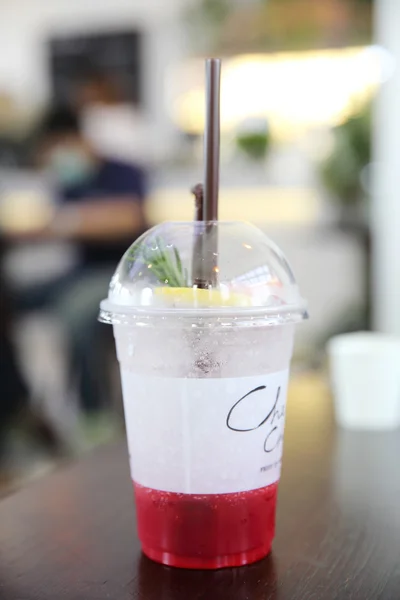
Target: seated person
17	412
101	210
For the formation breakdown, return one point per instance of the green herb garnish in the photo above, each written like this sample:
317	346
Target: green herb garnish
164	261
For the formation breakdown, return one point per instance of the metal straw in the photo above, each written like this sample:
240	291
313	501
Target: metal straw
204	262
212	139
209	240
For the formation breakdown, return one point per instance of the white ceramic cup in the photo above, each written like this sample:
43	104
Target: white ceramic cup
365	376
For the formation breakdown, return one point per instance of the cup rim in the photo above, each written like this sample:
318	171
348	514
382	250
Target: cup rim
117	313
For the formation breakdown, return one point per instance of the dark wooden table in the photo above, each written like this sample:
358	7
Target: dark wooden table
72	535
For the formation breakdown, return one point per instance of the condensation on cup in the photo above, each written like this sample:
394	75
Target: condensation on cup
204	374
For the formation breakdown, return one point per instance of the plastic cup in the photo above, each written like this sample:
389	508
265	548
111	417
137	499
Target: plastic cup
204	376
365	374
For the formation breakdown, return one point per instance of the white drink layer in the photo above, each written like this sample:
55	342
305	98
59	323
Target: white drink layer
205	409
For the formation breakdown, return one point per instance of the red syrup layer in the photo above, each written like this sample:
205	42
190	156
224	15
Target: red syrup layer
206	531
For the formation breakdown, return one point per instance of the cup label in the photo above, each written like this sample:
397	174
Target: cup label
205	436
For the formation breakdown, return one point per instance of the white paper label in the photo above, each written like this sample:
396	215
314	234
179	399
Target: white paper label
205	436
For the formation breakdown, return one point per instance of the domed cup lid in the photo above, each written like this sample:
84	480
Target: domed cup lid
203	269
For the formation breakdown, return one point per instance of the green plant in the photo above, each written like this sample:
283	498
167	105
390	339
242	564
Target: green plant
206	19
341	170
254	145
162	260
341	174
215	11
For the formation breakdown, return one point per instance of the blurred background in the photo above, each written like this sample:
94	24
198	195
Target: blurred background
101	120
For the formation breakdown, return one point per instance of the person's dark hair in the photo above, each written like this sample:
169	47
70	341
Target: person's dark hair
57	122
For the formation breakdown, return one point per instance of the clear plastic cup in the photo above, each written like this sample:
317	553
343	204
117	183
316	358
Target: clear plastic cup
204	375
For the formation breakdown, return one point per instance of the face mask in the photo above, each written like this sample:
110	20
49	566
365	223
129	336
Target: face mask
71	167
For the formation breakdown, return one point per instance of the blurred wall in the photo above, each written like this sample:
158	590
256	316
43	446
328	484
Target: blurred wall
26	25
